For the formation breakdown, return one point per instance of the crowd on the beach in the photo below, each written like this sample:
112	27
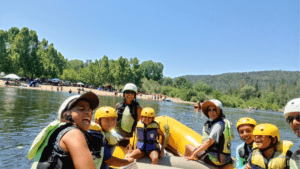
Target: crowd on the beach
75	140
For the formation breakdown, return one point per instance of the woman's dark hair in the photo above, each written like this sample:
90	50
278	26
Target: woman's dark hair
221	114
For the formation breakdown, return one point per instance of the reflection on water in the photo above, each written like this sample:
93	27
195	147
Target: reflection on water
24	113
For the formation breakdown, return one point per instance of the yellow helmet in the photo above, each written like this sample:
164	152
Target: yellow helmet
266	129
105	112
148	112
245	120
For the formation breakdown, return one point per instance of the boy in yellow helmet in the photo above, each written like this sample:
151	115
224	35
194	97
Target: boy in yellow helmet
245	127
147	134
105	121
106	118
269	152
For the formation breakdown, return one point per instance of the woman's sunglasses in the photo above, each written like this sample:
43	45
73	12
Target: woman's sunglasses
290	119
129	92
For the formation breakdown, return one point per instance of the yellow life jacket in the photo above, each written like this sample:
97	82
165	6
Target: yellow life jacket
277	162
111	139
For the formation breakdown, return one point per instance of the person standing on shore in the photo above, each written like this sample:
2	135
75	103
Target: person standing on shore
292	115
129	113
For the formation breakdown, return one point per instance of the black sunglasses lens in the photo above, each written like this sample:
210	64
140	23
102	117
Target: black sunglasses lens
298	118
291	119
129	92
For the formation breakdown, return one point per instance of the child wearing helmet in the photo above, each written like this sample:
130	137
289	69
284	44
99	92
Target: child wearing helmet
106	118
292	115
129	113
245	127
216	137
268	151
147	134
105	121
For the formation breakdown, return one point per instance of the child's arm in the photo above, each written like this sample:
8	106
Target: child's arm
117	162
159	132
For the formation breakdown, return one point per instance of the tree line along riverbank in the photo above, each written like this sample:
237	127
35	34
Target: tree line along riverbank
22	53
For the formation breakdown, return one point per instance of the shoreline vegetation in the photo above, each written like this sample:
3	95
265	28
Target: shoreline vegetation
22	53
66	89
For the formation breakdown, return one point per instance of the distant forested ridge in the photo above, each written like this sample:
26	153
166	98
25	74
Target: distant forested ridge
226	80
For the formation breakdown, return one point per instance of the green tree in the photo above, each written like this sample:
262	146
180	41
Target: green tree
69	74
152	70
4	61
12	32
104	72
75	64
122	71
136	77
201	86
271	87
216	94
247	92
167	81
182	83
282	93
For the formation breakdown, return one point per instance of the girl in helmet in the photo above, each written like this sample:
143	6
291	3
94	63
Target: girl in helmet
245	128
129	113
216	139
292	115
148	132
268	151
105	121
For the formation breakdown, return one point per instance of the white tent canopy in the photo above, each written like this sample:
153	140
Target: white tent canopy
80	83
12	76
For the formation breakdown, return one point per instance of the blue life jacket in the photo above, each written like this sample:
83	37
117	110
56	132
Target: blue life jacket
147	136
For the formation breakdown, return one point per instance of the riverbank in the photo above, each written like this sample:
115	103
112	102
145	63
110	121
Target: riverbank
66	89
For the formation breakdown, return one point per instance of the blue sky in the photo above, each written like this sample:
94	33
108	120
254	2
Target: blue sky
198	37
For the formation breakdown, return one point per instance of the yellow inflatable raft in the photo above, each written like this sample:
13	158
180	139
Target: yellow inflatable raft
177	137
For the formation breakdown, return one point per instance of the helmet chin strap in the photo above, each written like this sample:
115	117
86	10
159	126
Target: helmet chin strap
270	146
69	118
251	143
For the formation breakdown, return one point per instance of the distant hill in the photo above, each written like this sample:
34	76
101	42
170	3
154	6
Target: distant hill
222	81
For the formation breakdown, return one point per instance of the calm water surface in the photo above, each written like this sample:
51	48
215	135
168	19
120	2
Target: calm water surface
24	113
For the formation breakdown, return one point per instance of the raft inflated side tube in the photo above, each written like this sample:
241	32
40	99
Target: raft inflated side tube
173	161
179	134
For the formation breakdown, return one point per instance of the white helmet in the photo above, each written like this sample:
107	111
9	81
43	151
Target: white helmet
130	86
91	97
212	102
292	106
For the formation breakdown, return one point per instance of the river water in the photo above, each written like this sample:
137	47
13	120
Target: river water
24	113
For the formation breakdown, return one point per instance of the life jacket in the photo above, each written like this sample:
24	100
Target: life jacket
295	159
224	144
147	136
279	160
244	152
45	151
110	139
127	118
